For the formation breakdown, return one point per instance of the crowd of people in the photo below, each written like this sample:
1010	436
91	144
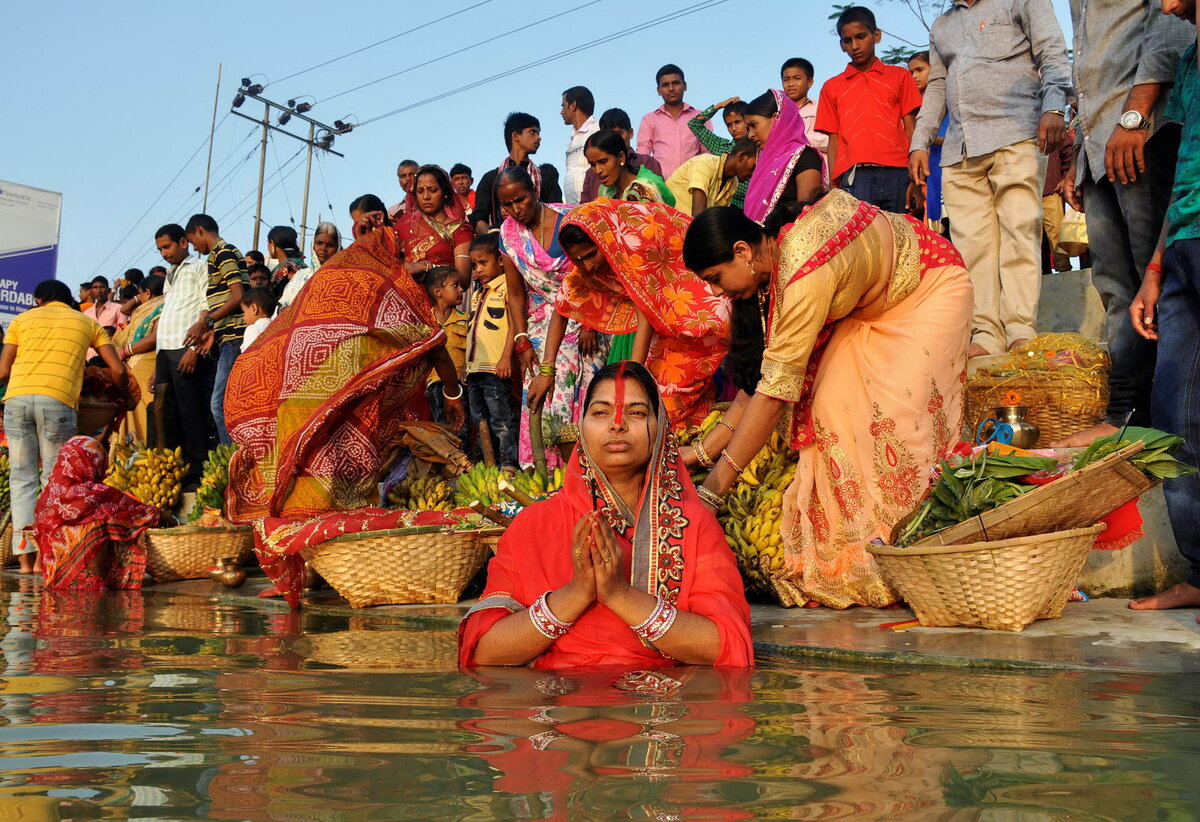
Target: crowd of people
829	267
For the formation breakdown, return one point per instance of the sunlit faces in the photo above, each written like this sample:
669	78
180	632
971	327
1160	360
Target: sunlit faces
100	293
528	140
671	88
736	124
796	83
485	265
1183	9
606	166
741	165
858	42
324	247
588	259
759	128
407	175
431	199
172	252
920	73
259	278
461	183
619	441
518	202
449	292
742	276
568	112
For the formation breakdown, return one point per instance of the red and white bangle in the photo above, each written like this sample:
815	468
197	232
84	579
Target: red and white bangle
658	623
544	620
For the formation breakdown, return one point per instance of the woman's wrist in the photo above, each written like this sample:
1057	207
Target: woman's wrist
568	603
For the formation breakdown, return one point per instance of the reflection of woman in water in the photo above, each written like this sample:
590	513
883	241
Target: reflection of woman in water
624	566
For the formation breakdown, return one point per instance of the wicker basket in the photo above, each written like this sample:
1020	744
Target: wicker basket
1079	499
95	416
1059	404
402	566
1003	585
187	552
382	650
6	540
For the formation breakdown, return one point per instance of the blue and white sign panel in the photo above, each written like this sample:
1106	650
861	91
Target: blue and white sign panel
29	220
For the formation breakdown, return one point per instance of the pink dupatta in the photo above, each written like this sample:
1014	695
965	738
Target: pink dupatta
778	157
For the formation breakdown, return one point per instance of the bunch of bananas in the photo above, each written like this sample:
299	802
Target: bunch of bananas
752	512
428	493
536	484
153	475
5	498
693	433
481	483
211	493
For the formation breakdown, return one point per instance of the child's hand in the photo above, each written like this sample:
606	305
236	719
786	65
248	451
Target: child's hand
504	367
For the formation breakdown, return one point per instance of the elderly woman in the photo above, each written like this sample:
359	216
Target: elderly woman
624	567
534	267
866	347
327	241
629	277
435	232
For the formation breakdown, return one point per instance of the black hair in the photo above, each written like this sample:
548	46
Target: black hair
154	284
257	268
581	97
764	105
738	108
128	291
201	221
284	237
923	56
549	175
634	370
443	180
574	236
857	14
669	68
172	230
102	280
616	118
262	297
436	277
461	168
744	146
160	271
517	175
368	203
488	243
133	275
611	142
517	122
800	63
711	236
257	256
54	291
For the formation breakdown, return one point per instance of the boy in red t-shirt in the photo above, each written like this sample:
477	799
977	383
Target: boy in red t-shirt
869	112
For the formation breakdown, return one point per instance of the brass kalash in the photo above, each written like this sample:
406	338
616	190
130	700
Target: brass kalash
1009	427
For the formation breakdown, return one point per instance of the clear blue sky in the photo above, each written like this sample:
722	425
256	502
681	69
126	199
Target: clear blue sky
106	101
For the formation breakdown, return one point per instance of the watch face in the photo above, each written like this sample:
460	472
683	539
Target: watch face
1131	120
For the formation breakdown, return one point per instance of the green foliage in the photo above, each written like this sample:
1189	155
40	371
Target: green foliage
1156	460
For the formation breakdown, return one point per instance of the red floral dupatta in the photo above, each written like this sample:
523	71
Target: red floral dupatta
78	516
643	244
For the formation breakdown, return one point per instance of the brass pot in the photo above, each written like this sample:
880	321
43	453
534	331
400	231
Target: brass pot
1024	433
228	572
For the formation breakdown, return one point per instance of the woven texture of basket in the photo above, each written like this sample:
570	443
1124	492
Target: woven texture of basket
1003	585
6	539
1079	499
382	649
187	552
403	566
1059	404
95	415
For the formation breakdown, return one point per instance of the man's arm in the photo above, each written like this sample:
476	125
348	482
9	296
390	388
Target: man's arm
7	357
481	217
699	127
645	135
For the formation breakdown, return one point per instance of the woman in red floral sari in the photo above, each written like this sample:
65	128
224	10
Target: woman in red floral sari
624	566
629	276
435	232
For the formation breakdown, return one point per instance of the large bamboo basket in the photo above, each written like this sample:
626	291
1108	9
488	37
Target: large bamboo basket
187	552
1079	499
1003	585
1059	404
95	416
6	540
401	566
382	650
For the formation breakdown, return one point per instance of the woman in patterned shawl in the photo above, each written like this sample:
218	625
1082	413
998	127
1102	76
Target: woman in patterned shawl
866	346
624	566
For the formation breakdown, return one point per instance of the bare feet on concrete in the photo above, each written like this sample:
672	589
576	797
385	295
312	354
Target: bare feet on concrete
1182	595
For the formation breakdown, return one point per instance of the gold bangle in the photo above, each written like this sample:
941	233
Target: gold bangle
725	456
722	421
701	455
711	497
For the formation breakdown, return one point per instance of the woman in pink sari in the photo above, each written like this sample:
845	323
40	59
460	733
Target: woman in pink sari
789	168
866	349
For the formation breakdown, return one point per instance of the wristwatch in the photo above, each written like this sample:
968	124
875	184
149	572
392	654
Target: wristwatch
209	321
1133	121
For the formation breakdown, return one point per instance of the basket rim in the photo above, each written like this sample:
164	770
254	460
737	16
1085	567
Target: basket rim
416	529
919	550
180	530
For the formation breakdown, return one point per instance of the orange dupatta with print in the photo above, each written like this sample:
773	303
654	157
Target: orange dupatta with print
643	244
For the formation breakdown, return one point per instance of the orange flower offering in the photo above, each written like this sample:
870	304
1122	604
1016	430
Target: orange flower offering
1012	398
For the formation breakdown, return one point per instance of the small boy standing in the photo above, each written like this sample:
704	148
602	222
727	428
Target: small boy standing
445	294
258	307
490	350
869	112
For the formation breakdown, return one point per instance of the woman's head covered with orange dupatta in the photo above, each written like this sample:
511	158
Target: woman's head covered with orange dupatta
675	547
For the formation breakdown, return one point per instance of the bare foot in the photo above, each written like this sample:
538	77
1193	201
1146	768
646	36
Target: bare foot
1182	595
976	350
1084	438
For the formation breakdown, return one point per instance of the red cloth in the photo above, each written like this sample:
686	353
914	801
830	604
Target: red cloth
1122	527
423	238
78	518
865	109
674	548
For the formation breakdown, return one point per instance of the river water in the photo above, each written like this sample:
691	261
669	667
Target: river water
161	706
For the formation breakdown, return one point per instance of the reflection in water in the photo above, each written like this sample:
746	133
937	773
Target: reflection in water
133	705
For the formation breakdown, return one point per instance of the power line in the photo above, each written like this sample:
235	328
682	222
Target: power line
385	40
278	183
286	199
704	6
462	50
238	204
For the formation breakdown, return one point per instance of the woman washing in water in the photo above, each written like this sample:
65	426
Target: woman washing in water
624	566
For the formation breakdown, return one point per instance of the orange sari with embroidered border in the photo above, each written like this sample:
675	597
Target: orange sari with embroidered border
643	244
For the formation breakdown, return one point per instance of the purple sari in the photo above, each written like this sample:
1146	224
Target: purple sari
777	159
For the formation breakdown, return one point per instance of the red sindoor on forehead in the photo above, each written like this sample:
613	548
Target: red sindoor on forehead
619	414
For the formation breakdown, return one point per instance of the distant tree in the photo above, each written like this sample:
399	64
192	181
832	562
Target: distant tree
896	55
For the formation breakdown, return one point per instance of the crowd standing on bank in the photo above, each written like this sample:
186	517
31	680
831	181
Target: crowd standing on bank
848	243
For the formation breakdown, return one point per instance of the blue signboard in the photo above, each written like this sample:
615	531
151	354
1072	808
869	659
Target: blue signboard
29	221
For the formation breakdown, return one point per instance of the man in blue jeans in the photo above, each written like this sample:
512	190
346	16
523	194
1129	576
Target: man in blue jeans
223	317
42	361
1167	309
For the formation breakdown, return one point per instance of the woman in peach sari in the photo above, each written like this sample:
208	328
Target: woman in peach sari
866	347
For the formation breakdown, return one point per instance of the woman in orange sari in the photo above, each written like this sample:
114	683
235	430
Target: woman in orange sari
629	276
866	346
624	566
435	232
316	404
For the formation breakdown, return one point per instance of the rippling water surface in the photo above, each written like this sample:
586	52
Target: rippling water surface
160	706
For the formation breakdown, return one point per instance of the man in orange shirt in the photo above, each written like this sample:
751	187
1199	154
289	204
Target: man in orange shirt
869	112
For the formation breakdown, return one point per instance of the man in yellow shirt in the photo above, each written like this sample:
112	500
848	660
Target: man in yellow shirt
708	180
42	362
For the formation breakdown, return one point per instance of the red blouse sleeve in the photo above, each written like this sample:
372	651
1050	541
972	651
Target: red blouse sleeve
718	593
